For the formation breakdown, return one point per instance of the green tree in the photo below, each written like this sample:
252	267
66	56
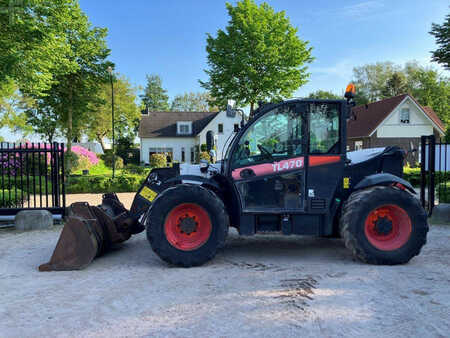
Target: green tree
193	102
442	36
126	112
258	57
395	85
323	94
73	92
155	96
370	80
44	120
431	89
33	46
13	105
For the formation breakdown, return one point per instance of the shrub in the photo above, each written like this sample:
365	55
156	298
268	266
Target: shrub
134	169
71	160
158	161
103	184
107	159
7	201
412	175
203	147
83	163
205	156
443	192
81	151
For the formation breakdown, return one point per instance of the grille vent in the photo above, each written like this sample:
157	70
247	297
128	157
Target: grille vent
318	203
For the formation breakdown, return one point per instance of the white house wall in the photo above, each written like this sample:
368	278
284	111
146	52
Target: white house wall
176	143
228	129
418	124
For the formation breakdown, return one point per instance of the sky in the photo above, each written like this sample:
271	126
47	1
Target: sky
168	37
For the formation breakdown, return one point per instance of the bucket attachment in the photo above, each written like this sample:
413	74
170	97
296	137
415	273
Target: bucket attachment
89	232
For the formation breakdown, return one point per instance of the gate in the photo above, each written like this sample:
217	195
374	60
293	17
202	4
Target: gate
32	177
435	172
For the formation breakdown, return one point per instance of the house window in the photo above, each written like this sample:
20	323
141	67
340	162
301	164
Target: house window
184	128
236	127
220	127
183	156
404	115
358	145
192	155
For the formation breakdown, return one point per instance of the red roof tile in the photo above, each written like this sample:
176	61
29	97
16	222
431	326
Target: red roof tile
369	117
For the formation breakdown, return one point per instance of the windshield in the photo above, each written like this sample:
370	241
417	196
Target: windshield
276	135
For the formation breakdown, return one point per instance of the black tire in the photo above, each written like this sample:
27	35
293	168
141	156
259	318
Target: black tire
355	212
170	199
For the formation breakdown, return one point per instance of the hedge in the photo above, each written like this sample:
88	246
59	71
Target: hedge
412	175
7	201
443	192
103	184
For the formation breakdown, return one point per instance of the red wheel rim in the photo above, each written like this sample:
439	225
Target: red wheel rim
187	226
388	227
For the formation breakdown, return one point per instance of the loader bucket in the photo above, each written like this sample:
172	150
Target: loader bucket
88	233
76	248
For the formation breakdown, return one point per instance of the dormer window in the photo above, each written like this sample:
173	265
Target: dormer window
404	115
184	128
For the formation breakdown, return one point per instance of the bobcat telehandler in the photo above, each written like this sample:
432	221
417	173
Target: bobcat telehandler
285	171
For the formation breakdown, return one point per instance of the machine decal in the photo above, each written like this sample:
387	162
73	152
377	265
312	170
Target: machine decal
315	160
269	168
148	194
346	182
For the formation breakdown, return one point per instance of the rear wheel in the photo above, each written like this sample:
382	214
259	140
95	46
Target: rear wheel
186	225
383	225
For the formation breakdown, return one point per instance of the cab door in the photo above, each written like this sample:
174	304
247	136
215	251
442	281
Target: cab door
267	166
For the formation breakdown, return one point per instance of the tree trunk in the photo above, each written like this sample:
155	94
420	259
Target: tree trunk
252	105
102	143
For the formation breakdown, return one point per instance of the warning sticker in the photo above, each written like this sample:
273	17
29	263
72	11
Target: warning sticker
148	194
346	182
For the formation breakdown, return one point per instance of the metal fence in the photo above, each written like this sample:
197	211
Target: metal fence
32	177
435	172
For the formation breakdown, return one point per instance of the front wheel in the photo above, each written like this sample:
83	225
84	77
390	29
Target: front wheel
383	225
186	225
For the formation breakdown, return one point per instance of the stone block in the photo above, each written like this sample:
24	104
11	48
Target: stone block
33	220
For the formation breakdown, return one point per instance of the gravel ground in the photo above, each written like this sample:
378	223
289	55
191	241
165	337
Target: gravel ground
269	286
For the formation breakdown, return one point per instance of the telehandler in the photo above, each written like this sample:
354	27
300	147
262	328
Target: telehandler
285	171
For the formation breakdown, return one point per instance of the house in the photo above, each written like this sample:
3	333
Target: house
180	135
399	120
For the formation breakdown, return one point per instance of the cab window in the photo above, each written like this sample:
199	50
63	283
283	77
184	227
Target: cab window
324	128
276	135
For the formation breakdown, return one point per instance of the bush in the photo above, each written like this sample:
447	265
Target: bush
107	159
203	147
205	156
412	175
134	169
83	163
443	192
7	201
158	161
103	184
81	151
71	160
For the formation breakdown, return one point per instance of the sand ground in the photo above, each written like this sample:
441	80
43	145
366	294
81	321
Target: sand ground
270	286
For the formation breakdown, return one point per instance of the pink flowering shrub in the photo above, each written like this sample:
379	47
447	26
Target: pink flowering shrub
84	152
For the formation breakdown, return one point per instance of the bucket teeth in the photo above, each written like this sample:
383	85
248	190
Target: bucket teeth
88	233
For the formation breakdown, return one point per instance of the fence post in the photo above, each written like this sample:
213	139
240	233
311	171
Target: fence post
431	173
423	176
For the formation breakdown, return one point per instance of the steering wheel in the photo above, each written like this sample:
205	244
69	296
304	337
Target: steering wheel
265	151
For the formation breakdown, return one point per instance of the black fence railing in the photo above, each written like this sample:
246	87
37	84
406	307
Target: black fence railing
435	172
32	177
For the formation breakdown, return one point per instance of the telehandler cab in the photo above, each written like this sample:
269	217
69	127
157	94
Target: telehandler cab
285	171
